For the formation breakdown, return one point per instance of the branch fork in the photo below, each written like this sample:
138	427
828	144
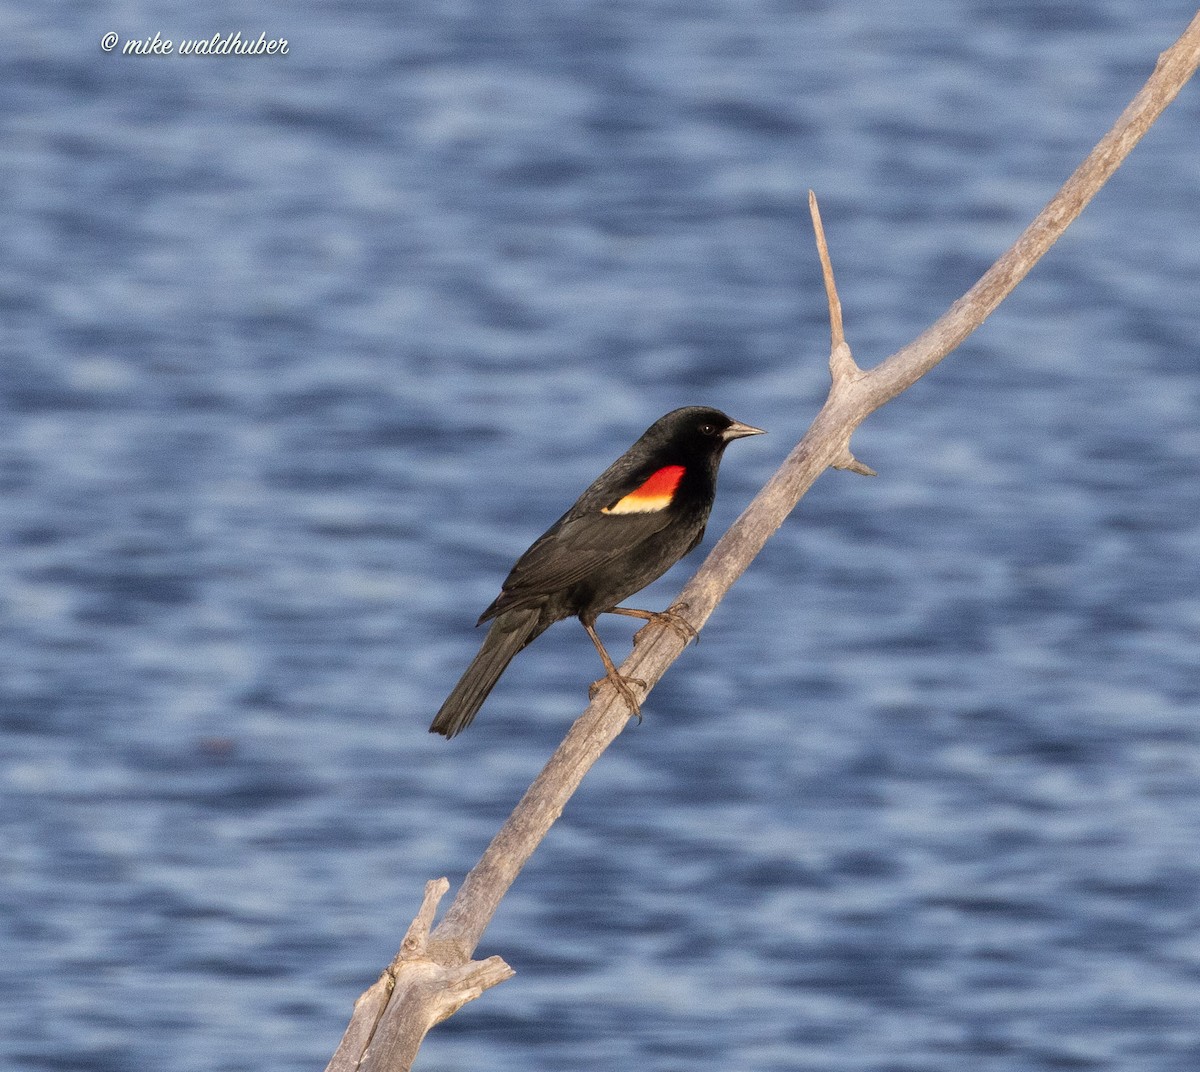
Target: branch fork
426	983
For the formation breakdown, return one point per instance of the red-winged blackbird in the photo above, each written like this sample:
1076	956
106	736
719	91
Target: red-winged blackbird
641	516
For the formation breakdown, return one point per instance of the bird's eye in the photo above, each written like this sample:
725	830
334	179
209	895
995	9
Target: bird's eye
708	429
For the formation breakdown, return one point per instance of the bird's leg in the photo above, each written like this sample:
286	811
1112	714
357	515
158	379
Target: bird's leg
670	617
621	684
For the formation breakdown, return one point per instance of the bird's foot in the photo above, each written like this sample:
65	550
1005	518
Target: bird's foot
675	620
623	685
671	617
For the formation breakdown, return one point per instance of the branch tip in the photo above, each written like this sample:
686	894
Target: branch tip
837	334
851	464
416	939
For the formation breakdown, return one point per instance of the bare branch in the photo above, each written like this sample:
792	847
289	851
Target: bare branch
434	978
842	369
1174	68
837	342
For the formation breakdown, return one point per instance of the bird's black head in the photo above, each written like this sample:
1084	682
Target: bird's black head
696	431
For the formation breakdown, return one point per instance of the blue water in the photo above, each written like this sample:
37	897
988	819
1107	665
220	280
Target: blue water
300	352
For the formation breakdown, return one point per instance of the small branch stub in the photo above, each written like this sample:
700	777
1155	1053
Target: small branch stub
416	940
851	464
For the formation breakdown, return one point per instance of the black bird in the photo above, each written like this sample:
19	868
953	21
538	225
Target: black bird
641	516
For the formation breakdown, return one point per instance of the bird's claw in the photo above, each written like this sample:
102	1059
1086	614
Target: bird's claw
679	623
674	621
622	685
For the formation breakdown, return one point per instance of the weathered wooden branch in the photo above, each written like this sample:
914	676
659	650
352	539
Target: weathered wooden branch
421	987
433	974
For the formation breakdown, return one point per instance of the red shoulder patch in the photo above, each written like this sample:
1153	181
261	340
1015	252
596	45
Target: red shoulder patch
655	493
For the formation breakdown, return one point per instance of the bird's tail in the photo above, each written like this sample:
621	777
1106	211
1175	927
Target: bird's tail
509	633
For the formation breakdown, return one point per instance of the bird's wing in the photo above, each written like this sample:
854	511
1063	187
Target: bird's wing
574	548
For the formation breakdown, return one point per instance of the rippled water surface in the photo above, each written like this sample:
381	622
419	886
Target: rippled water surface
300	352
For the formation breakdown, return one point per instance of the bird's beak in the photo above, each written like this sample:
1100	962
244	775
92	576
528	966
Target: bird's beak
737	430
